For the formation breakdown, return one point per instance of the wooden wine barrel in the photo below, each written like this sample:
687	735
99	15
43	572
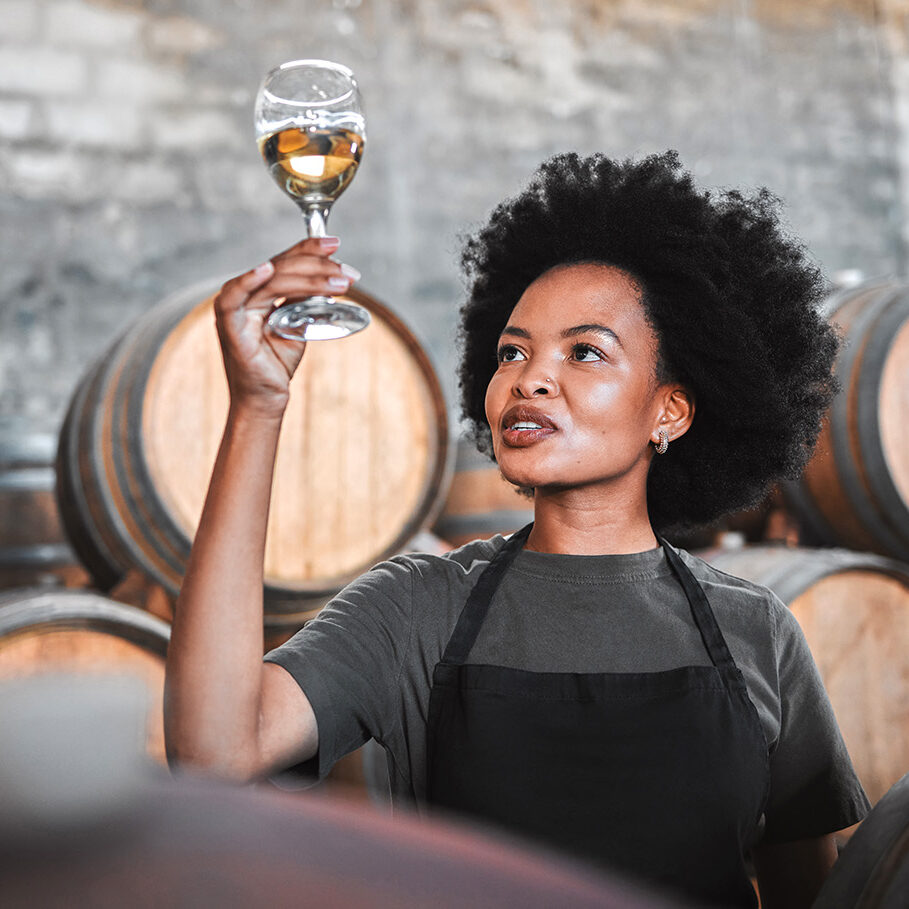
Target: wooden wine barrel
33	546
361	466
854	610
480	502
855	490
872	872
46	631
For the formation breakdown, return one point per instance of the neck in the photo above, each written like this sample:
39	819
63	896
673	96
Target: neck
573	523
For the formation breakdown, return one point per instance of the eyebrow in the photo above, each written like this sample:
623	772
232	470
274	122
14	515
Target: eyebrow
572	332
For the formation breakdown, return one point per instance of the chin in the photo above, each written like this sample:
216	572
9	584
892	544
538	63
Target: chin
528	479
521	482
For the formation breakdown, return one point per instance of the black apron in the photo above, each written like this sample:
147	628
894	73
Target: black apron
659	775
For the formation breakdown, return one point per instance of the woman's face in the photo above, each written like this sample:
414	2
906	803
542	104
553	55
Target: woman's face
574	401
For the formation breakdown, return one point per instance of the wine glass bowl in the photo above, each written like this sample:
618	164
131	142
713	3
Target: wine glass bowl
311	132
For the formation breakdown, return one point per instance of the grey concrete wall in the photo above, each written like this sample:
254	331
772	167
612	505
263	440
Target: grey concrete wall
128	167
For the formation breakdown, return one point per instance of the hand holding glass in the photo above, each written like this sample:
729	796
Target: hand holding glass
311	132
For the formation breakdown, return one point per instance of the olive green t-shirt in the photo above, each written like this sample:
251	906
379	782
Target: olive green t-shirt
366	662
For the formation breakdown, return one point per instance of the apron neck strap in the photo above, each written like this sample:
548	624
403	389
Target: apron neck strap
703	614
474	612
477	605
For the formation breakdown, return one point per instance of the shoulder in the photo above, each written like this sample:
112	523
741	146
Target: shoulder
732	594
415	572
745	602
738	589
463	561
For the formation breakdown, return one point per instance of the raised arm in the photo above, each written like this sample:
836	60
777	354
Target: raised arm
225	710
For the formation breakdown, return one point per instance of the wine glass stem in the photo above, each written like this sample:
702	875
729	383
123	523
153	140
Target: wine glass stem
316	219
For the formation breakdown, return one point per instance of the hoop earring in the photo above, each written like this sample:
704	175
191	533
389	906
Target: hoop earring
663	445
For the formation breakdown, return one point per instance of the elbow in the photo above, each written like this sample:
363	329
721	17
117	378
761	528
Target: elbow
191	751
231	766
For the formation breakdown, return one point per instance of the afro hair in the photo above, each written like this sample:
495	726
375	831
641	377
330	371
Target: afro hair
733	301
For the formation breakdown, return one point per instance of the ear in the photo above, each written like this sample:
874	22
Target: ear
675	413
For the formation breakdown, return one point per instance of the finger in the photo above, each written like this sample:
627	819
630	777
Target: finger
296	287
235	292
315	266
311	246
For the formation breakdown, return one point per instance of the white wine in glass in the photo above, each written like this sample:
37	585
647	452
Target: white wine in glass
311	132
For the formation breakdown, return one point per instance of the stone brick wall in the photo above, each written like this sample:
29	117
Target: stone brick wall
128	167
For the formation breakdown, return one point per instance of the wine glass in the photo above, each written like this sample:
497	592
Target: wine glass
311	132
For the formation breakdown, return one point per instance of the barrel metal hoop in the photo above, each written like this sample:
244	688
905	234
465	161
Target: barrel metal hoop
844	295
812	565
877	474
88	537
847	467
37	555
103	442
169	543
27	479
27	450
797	569
21	610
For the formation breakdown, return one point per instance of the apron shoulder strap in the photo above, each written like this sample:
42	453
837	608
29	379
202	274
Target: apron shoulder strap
703	614
474	612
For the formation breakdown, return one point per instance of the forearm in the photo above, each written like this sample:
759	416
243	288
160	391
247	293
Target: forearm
214	664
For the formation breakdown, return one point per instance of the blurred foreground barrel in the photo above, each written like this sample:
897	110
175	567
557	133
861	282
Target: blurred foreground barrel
49	632
854	610
855	490
190	843
480	502
33	546
361	464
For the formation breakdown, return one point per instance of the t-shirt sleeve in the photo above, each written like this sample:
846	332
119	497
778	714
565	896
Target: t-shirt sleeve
349	658
814	789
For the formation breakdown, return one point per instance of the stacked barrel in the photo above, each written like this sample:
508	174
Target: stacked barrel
92	578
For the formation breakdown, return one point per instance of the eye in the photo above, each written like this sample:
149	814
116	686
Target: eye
585	353
508	353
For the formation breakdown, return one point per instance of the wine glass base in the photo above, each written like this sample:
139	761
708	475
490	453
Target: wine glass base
318	319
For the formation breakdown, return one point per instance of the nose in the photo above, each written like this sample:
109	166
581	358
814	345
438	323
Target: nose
533	383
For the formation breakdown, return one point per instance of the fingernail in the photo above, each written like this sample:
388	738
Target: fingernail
338	282
329	242
266	268
351	272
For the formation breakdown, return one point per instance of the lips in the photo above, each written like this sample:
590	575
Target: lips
523	426
524	414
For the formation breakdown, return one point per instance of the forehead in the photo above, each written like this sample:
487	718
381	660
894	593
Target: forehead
572	294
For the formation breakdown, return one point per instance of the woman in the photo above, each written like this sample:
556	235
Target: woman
640	355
